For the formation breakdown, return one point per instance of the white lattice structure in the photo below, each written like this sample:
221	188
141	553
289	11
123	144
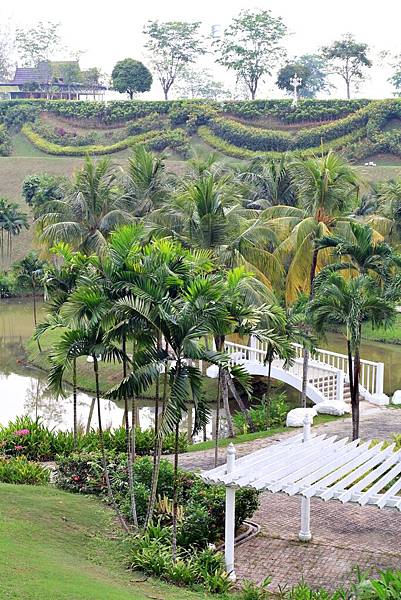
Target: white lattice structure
311	466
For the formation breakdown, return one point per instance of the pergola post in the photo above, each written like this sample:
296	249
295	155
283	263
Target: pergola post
229	537
305	534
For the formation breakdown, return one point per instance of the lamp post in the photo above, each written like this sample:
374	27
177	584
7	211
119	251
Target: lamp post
295	82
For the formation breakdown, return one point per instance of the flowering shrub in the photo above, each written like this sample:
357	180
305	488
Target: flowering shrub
29	437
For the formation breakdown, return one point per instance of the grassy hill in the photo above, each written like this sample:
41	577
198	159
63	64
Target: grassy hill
62	546
53	136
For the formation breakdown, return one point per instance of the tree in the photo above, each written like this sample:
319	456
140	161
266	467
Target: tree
91	208
348	59
310	68
269	182
324	188
37	43
251	46
200	84
39	190
395	78
6	50
350	302
173	45
12	222
29	272
130	76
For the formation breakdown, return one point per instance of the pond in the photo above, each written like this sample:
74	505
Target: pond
23	389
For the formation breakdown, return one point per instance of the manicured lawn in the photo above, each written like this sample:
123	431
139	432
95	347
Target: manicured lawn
63	546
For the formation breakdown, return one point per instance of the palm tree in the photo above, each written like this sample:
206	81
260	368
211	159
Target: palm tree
364	252
325	188
91	209
350	303
146	183
269	182
12	222
29	273
207	215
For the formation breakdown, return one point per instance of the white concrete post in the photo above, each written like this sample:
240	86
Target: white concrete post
305	534
229	537
379	378
253	345
340	386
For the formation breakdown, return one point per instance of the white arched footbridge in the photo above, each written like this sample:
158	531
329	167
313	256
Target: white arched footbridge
327	372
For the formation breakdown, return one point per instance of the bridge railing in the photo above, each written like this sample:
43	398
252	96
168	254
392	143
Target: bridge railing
328	380
372	373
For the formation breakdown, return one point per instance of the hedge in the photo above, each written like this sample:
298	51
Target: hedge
257	139
207	135
5	141
155	140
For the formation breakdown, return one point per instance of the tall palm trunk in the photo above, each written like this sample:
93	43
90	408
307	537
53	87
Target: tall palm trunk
74	401
241	404
217	424
219	343
305	363
127	439
158	452
103	452
175	492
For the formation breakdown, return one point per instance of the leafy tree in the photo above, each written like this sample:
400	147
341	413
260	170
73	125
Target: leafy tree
36	44
348	59
251	46
131	76
269	183
395	78
350	302
310	68
40	189
173	45
200	84
6	48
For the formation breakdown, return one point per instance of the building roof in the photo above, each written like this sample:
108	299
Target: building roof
40	74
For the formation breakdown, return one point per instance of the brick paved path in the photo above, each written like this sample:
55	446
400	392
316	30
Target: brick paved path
343	535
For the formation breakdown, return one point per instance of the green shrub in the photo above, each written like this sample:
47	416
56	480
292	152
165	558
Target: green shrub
252	591
14	114
21	471
8	286
37	442
154	140
269	413
386	587
151	553
5	141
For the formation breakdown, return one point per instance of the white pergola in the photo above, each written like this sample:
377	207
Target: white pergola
311	466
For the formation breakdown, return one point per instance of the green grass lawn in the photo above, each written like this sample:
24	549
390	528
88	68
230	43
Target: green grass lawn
62	546
392	335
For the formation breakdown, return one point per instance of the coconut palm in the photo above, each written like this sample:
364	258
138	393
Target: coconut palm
349	303
207	215
386	219
363	252
29	273
325	188
91	209
269	182
146	183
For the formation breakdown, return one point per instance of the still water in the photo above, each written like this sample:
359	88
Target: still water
23	389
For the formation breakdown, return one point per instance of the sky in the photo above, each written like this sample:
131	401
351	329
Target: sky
110	31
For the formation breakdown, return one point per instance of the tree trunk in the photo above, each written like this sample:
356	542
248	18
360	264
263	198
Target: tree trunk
103	452
348	89
350	368
132	458
91	409
355	396
127	440
224	393
74	400
158	452
305	363
166	90
239	401
217	425
175	493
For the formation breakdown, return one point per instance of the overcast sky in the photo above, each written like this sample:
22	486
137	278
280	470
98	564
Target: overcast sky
109	31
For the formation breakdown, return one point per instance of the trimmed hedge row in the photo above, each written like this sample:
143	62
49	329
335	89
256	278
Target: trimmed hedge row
257	139
154	140
5	141
224	147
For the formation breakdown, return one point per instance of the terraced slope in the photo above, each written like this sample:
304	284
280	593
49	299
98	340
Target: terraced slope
243	130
